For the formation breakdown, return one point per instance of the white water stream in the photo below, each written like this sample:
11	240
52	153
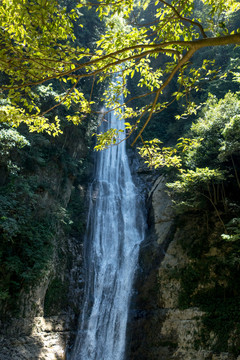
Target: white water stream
114	231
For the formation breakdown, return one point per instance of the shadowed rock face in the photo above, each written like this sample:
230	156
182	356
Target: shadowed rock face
41	323
158	329
44	338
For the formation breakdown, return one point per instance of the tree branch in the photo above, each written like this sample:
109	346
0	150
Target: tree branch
183	61
182	18
194	44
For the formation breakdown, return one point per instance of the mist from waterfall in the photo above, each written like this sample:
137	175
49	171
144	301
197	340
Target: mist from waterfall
115	230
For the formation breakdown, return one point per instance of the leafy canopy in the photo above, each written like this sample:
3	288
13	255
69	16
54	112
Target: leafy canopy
209	158
152	43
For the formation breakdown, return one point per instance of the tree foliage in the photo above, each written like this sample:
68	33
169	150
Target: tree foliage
206	193
38	45
208	161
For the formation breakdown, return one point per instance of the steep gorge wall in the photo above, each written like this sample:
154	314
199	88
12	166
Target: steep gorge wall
160	328
39	323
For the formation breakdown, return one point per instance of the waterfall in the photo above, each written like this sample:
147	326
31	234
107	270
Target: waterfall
114	231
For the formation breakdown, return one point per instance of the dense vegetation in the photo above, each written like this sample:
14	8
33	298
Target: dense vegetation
202	169
137	36
36	208
203	173
207	192
40	200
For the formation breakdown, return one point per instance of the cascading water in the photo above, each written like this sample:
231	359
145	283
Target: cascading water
114	231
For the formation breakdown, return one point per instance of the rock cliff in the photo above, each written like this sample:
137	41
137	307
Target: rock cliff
37	322
160	328
162	324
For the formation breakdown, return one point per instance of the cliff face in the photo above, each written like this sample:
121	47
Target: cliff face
36	319
163	325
